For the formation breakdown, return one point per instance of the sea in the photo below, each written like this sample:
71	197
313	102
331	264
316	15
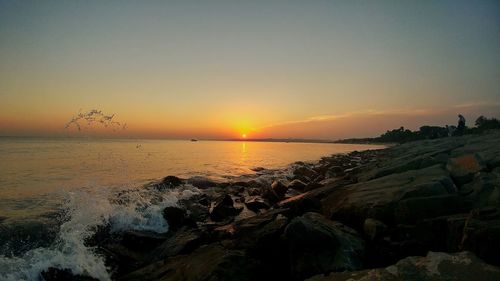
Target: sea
55	192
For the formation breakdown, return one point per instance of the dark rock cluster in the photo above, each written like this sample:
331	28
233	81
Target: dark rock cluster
427	210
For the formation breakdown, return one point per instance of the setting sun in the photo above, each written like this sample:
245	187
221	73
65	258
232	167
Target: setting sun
244	136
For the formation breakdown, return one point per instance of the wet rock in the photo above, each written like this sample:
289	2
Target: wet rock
463	266
101	234
56	274
142	240
262	240
279	188
258	169
122	259
223	208
182	241
268	193
170	182
201	182
318	245
175	216
334	172
256	203
209	262
197	212
297	185
304	173
374	229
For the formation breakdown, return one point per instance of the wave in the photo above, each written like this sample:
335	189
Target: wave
85	211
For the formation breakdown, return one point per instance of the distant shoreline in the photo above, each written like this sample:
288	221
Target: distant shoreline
200	139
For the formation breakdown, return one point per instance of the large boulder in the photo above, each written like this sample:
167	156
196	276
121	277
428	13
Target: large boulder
207	263
182	241
412	156
464	167
378	198
175	216
436	266
318	245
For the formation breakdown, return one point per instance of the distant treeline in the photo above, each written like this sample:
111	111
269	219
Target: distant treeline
402	135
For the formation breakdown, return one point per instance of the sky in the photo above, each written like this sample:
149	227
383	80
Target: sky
220	69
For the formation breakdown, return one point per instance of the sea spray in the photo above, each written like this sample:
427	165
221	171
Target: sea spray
84	211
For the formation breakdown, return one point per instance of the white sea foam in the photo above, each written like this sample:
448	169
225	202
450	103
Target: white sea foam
86	210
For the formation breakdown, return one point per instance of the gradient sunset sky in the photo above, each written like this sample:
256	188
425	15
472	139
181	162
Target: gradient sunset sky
220	69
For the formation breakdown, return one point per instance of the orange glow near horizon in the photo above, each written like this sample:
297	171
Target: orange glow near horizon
244	136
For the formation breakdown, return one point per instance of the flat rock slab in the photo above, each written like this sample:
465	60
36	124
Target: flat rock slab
378	198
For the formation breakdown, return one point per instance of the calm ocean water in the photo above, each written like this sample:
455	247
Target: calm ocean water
53	192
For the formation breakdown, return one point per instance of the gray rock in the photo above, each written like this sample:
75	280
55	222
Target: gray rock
318	245
207	263
297	185
175	216
223	208
463	266
304	173
256	203
279	188
268	193
464	167
378	198
182	241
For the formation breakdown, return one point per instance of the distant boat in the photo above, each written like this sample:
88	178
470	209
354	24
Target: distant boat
194	140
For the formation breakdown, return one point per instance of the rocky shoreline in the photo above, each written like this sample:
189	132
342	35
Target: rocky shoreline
426	210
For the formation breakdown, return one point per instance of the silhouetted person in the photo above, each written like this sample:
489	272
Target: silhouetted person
461	125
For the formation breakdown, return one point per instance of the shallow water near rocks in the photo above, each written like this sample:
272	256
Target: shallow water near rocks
54	193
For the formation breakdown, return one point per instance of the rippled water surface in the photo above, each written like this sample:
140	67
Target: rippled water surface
55	192
34	173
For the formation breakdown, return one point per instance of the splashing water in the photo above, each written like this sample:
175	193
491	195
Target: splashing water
94	117
138	209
